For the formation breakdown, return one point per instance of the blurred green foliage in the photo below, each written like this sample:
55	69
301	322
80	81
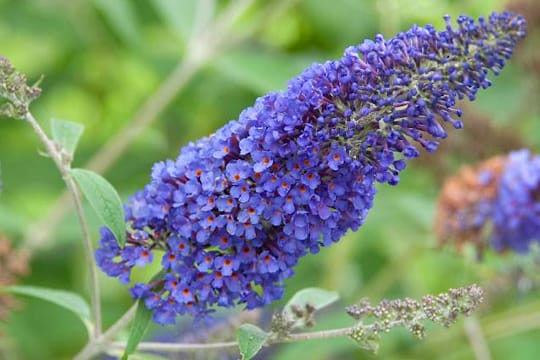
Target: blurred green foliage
101	59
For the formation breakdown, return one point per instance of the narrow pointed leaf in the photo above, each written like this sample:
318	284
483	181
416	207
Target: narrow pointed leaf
65	299
138	328
66	134
315	297
104	200
251	339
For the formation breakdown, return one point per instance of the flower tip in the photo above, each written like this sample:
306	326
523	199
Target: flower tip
514	21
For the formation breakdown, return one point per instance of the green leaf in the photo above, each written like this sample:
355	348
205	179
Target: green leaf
250	340
178	15
65	299
138	328
121	16
104	200
315	297
66	134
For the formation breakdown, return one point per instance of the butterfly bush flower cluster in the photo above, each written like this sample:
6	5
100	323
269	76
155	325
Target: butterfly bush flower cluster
502	192
235	211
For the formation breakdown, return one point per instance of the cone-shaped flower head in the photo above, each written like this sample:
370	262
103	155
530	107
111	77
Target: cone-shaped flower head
236	210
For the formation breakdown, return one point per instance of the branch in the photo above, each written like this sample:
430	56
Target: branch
187	348
181	348
477	339
95	346
410	314
63	167
104	341
291	338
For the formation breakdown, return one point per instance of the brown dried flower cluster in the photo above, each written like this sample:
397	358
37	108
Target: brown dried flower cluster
13	264
459	200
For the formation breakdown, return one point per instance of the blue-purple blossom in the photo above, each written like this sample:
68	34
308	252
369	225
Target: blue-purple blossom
298	169
516	209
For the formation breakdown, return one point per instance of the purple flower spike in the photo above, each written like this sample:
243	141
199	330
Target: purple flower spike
298	169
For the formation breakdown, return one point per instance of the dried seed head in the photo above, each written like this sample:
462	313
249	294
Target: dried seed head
14	90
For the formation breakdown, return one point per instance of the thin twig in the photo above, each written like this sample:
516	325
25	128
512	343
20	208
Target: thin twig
186	348
95	346
171	347
477	339
63	167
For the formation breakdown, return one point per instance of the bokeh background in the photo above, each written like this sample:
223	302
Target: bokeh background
199	66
